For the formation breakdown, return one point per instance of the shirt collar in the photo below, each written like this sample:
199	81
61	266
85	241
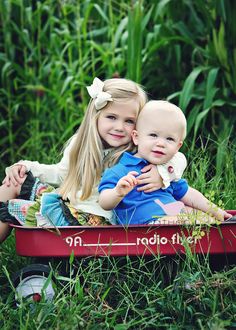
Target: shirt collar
129	159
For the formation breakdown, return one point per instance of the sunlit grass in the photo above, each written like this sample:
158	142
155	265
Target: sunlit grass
138	293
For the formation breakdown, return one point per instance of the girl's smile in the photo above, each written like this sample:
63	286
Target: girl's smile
117	136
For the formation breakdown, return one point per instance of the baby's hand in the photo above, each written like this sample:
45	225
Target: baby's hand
126	184
222	215
15	175
227	215
151	179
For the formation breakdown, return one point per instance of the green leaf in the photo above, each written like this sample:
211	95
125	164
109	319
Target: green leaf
66	84
103	15
210	89
199	118
105	293
119	31
187	91
191	119
72	257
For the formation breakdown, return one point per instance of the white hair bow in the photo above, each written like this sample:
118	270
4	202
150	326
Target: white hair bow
96	92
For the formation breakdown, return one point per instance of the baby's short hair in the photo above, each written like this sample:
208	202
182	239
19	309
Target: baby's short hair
165	108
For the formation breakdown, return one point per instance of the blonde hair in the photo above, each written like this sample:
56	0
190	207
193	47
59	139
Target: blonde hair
86	162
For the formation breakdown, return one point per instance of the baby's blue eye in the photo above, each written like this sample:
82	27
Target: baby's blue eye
170	138
153	135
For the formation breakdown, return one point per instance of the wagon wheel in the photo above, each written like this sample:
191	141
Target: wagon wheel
32	283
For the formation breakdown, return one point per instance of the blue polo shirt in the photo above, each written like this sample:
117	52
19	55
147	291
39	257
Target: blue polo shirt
138	207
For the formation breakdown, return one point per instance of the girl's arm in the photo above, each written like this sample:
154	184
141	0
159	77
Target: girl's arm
150	180
196	200
50	173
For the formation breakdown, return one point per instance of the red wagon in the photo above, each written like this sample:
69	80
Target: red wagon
165	239
82	241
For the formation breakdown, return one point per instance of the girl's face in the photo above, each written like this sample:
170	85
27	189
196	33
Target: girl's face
116	123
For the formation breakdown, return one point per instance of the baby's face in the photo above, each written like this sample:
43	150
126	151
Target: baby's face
158	138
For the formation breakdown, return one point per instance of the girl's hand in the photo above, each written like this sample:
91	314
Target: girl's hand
126	184
150	178
15	175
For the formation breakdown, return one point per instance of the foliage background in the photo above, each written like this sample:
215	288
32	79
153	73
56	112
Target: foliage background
180	50
50	50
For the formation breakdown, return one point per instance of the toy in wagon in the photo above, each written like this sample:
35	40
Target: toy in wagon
144	206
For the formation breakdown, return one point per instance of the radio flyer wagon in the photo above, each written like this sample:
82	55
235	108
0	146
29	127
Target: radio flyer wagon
115	241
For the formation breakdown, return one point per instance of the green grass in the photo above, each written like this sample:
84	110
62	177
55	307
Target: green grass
125	293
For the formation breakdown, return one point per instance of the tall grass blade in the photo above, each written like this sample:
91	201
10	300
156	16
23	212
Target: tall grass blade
135	37
187	91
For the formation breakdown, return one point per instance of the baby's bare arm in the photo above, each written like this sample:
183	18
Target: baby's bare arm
195	199
110	198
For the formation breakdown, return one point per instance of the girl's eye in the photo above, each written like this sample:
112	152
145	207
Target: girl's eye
170	138
153	135
111	117
130	121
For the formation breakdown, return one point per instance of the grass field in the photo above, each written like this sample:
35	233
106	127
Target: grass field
127	293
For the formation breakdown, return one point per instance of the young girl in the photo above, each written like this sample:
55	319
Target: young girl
104	134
